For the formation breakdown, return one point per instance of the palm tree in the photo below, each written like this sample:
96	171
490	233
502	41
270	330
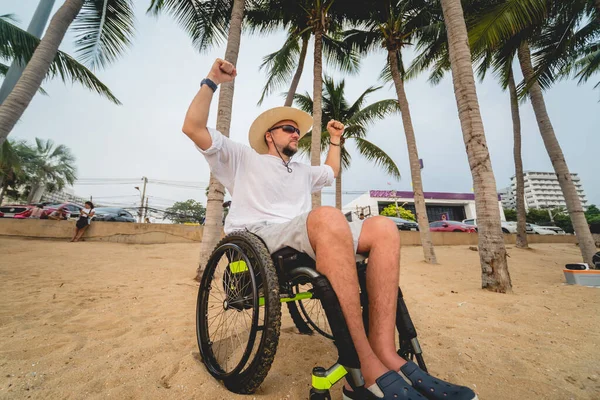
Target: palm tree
391	27
492	252
294	17
50	169
11	165
17	43
208	22
104	29
552	28
356	117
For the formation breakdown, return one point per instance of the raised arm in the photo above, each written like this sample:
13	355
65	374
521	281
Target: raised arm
336	130
196	118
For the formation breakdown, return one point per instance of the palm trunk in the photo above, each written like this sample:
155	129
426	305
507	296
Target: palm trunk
492	252
17	101
213	223
289	100
576	212
2	191
338	191
520	195
415	166
315	144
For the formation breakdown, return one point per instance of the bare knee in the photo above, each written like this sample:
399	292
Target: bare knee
327	222
378	230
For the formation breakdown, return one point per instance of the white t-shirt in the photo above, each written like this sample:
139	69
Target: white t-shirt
261	187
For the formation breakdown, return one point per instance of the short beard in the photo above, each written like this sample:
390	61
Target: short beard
288	151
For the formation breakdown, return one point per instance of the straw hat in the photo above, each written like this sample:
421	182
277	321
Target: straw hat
269	118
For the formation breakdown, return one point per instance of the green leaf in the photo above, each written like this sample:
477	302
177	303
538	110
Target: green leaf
104	29
280	65
379	157
17	43
206	22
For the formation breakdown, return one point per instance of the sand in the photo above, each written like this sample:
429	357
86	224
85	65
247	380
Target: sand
100	320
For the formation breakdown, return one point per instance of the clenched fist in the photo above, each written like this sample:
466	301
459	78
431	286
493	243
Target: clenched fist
335	128
222	72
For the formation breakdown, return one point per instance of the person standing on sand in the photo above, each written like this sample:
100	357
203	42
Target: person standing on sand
84	221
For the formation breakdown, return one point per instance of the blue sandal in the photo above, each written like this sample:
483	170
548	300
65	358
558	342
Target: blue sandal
392	386
434	388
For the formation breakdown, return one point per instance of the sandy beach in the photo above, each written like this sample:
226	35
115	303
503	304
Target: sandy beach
100	320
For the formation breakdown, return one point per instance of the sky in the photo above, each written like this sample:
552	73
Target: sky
160	73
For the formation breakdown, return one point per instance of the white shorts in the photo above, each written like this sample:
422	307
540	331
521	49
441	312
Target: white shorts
294	234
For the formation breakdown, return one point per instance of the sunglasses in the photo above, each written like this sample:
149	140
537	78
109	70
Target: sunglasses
287	129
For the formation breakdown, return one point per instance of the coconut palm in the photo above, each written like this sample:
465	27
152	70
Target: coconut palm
209	22
50	169
492	252
104	29
356	116
552	27
266	17
17	43
318	17
392	26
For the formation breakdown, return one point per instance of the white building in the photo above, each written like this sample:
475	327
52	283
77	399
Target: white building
543	191
507	198
456	206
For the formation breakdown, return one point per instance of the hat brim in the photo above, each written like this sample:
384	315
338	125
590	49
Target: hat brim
267	119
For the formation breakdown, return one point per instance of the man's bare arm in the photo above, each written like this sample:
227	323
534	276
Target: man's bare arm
196	118
334	156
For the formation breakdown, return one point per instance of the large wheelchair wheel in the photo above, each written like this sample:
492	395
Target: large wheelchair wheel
238	314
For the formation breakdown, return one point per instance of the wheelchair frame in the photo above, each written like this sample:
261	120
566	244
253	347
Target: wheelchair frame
291	268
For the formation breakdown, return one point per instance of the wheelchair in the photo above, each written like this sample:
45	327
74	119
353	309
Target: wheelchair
238	315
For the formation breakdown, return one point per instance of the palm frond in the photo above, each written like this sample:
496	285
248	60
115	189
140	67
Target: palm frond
379	157
374	112
104	29
17	43
340	55
363	41
280	65
588	65
206	22
9	17
358	103
304	102
505	20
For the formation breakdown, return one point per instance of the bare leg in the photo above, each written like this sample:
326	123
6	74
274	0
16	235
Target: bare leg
380	238
331	239
81	232
75	235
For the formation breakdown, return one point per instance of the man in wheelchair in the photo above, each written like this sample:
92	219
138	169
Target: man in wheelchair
272	199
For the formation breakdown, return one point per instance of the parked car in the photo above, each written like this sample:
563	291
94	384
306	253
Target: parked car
19	211
73	209
404	224
538	230
451	226
557	229
1	214
113	214
507	227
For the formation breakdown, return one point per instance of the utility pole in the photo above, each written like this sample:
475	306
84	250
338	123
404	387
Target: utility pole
36	28
146	210
143	198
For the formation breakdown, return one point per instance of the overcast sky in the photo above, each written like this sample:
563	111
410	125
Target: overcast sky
159	75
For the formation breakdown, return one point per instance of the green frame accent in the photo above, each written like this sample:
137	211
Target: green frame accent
332	376
298	296
238	266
